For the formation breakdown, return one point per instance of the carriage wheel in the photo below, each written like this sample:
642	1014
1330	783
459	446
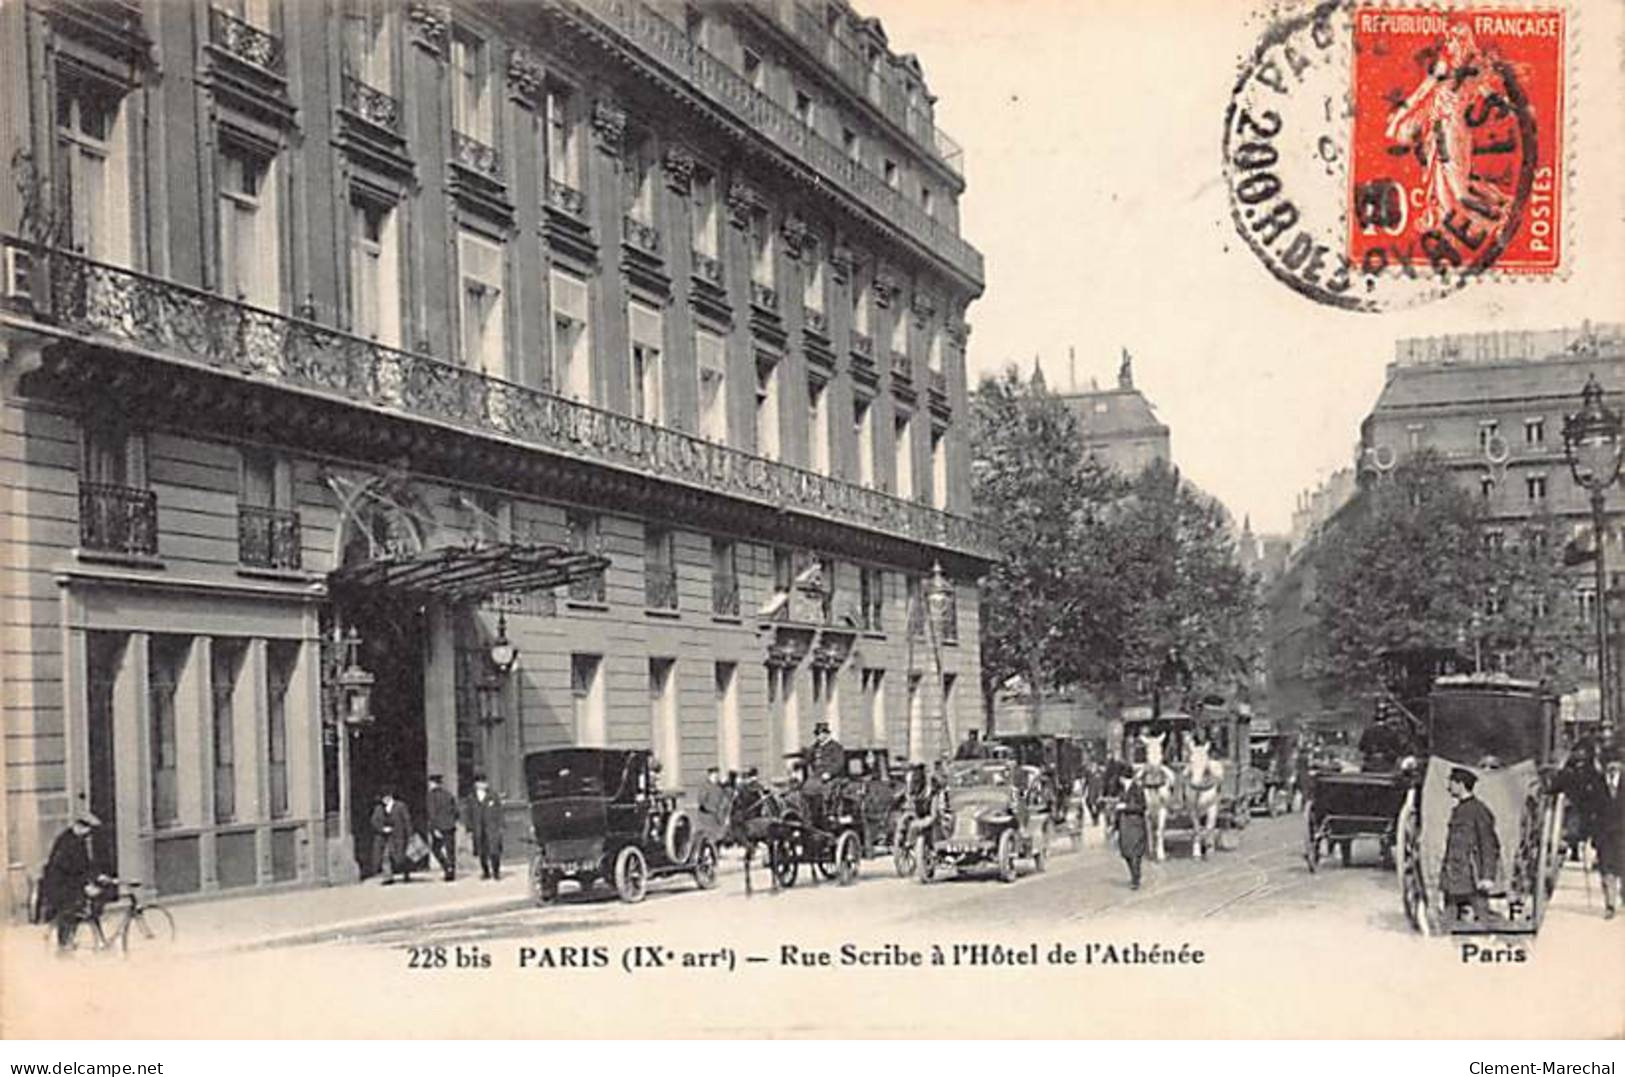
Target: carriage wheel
1311	840
902	851
1007	857
1549	863
544	884
784	860
848	850
1408	865
926	860
1041	853
631	875
705	865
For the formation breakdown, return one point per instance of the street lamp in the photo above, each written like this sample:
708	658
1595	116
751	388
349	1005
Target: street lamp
1591	444
504	655
355	684
939	595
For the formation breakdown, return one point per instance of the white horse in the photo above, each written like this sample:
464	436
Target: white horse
1158	781
1202	777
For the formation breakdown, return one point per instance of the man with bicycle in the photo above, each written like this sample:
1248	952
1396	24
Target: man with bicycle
70	883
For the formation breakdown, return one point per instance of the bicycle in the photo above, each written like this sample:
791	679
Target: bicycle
142	924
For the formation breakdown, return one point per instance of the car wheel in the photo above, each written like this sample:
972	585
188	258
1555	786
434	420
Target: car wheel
925	859
544	885
847	852
1007	856
902	852
705	865
786	864
679	837
631	874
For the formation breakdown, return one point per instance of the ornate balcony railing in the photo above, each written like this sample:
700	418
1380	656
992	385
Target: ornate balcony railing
815	321
725	594
476	156
764	296
708	268
267	537
565	198
246	41
660	586
185	323
863	345
118	519
669	45
643	236
372	105
902	367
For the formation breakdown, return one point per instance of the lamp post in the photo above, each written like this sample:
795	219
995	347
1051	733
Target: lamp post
1592	446
938	595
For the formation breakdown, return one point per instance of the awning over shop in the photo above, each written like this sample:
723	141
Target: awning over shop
471	573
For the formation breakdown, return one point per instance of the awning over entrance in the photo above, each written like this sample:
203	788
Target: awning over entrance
472	573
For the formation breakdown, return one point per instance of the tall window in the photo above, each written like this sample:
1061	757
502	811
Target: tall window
767	407
1535	486
168	660
727	697
93	141
367	43
645	384
1534	431
939	469
375	269
804	109
471	112
724	578
818	426
572	336
863	429
927	202
639	172
860	306
711	359
250	251
706	217
1487	430
871	598
587	699
563	149
761	248
851	145
812	281
888	171
933	351
582	535
483	310
874	704
899	329
254	12
659	568
903	431
663	720
280	658
113	455
750	62
225	661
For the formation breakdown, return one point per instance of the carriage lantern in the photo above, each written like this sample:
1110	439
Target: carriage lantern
355	684
504	655
1592	446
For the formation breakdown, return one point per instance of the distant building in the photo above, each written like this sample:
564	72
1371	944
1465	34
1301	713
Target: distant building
1120	425
1315	507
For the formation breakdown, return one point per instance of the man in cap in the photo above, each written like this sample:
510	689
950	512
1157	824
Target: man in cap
70	878
1472	852
1610	832
826	762
442	811
482	815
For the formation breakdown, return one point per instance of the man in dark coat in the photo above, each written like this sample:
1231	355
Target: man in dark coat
1610	834
1472	852
391	826
482	815
442	810
69	878
1131	831
715	800
972	746
826	764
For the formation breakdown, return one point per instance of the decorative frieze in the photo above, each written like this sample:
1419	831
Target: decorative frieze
526	82
428	26
679	166
609	125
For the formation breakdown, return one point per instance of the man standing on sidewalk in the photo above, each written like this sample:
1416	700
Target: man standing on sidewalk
482	815
391	826
442	809
1610	833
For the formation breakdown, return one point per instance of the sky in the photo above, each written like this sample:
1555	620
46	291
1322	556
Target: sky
1092	138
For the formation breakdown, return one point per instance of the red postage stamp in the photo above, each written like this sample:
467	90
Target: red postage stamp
1457	148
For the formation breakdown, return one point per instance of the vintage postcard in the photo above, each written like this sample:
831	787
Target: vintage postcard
509	530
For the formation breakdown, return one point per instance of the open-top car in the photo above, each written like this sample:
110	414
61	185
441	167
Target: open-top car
989	812
598	813
1060	759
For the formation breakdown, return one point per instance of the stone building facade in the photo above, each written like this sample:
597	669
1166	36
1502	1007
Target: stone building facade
1120	425
632	335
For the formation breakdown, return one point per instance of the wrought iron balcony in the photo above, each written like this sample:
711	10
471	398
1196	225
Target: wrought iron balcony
643	236
372	105
267	537
659	586
246	41
708	268
565	198
668	44
118	519
764	296
476	156
815	321
724	594
118	306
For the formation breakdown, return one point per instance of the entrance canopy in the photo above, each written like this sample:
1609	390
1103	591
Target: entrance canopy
472	573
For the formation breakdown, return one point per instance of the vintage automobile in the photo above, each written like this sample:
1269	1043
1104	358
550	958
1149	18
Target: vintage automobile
990	812
1274	760
598	814
1060	759
1506	733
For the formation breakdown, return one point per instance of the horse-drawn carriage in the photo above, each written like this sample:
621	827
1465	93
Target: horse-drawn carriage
1344	807
827	825
1060	760
598	814
1505	734
1196	773
989	812
1274	757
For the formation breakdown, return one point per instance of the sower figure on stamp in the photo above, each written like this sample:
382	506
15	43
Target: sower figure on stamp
1472	852
482	815
442	809
391	826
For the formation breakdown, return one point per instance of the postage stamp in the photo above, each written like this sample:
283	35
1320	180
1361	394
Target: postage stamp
1381	156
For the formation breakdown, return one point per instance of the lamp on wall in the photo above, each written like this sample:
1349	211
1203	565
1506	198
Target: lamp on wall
355	684
504	655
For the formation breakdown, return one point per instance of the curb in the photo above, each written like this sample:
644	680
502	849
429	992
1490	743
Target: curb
371	924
